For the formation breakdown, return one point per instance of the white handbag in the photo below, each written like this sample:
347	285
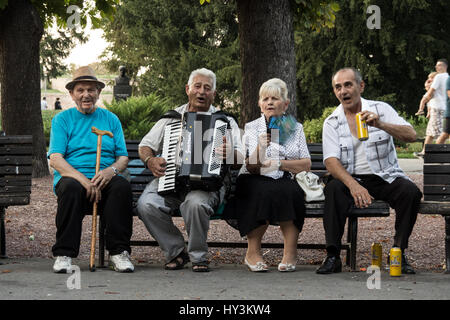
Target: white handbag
309	182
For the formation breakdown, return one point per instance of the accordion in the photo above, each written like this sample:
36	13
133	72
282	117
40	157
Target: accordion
189	148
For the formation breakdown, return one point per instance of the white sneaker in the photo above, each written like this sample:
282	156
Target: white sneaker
63	264
121	262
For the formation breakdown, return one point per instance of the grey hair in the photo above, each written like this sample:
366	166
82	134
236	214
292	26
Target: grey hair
204	72
358	76
275	87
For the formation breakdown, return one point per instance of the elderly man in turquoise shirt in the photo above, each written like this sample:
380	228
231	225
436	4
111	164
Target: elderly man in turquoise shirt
72	155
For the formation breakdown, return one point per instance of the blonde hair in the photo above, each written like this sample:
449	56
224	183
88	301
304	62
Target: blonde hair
275	87
432	74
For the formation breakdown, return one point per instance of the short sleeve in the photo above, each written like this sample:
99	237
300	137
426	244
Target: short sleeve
330	142
303	147
58	136
119	138
391	116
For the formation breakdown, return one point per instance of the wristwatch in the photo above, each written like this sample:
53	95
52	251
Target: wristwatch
146	160
279	164
116	172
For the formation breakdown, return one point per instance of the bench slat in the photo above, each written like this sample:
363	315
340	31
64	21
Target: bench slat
436	168
19	170
436	179
436	158
22	139
10	200
436	148
16	160
10	150
435	207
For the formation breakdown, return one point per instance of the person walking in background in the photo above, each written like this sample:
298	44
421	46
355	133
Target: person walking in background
435	116
446	131
44	103
438	93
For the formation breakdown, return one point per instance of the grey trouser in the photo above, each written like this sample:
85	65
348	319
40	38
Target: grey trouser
196	208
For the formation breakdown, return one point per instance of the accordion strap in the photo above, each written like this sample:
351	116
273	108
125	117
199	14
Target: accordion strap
171	114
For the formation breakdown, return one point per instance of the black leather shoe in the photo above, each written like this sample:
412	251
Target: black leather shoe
406	267
331	264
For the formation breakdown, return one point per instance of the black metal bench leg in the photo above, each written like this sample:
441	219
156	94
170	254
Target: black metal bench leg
352	234
101	243
447	244
2	234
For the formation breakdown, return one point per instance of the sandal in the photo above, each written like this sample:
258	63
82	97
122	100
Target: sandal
419	113
200	266
179	261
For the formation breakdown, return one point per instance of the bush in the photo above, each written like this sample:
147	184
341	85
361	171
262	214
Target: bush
47	116
139	114
313	128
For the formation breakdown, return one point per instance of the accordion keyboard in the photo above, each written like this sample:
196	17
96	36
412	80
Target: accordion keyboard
215	162
172	134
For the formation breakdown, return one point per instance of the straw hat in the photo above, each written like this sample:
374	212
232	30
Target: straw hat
84	74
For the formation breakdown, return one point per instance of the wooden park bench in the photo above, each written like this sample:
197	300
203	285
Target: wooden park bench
436	188
140	176
15	177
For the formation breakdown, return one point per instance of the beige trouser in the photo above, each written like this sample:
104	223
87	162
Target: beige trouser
196	208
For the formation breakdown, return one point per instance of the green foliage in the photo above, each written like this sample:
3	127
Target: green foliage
315	14
394	60
53	50
166	40
47	116
313	128
139	114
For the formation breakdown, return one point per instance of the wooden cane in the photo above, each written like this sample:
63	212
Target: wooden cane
99	134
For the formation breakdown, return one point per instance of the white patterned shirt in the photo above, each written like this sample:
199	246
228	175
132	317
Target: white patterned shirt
379	148
294	148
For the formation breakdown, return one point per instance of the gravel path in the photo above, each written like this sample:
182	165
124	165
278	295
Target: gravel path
30	232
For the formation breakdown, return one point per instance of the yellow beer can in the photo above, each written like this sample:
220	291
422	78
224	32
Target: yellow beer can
395	262
361	128
376	252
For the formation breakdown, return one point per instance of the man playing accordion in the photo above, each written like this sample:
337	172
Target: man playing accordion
196	206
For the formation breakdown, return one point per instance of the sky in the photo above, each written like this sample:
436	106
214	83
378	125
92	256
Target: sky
89	52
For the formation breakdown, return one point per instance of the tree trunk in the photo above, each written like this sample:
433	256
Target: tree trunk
21	29
267	51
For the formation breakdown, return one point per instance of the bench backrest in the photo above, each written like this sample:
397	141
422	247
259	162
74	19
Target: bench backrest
436	171
15	169
140	176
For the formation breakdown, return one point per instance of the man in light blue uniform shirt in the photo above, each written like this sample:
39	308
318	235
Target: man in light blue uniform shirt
72	154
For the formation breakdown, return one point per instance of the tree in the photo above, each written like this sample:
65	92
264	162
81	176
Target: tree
267	50
394	59
54	48
22	25
171	39
166	40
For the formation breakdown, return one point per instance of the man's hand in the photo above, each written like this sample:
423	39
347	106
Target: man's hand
157	166
93	193
360	195
103	177
371	118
